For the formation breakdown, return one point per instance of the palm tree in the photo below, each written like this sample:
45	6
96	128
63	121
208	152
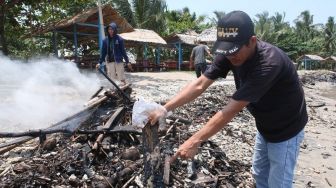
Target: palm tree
145	14
330	36
180	21
263	27
125	9
278	21
304	26
219	15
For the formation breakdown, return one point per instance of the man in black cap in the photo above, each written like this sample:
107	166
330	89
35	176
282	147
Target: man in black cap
267	84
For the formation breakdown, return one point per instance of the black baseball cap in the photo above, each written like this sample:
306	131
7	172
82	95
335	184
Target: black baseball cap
233	30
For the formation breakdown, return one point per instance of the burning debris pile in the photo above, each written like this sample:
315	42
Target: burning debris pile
104	150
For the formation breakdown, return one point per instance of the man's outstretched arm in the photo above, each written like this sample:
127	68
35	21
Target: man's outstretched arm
190	147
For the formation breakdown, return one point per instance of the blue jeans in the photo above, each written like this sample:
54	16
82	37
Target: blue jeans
274	163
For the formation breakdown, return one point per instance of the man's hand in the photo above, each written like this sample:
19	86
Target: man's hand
97	66
158	114
130	67
187	150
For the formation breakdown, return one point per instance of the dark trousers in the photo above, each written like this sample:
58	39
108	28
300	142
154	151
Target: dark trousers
200	69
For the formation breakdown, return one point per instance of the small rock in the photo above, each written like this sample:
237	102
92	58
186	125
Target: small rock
21	167
73	180
77	145
330	168
325	155
85	177
49	144
132	154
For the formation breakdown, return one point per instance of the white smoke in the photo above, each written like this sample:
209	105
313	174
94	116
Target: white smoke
40	92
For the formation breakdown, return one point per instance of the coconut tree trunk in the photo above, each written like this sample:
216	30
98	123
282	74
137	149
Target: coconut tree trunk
3	43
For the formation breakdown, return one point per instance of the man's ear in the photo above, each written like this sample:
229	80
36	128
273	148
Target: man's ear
253	40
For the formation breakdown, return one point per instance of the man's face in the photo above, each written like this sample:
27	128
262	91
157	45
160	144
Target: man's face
110	31
245	52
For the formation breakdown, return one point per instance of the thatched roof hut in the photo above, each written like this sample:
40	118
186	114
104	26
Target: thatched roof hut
143	36
181	41
331	58
311	58
85	24
208	35
310	62
181	38
330	63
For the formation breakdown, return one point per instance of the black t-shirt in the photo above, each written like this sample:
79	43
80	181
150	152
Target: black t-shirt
270	83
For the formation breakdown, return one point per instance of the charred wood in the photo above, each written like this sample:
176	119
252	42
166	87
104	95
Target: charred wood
153	175
180	119
115	118
97	92
35	133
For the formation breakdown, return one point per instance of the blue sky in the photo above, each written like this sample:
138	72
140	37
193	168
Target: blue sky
321	9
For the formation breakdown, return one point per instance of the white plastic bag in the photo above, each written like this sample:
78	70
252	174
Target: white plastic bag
141	110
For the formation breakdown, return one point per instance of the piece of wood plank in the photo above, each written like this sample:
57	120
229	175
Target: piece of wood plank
111	122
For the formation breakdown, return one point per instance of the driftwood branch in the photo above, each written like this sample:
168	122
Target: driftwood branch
4	150
36	133
179	119
97	92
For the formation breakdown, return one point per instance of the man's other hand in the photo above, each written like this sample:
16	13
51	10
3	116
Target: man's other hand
187	150
97	66
130	67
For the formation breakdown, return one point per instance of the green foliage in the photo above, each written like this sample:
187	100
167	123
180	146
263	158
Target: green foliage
144	14
330	37
180	21
27	16
20	18
125	10
304	38
304	26
287	41
155	16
